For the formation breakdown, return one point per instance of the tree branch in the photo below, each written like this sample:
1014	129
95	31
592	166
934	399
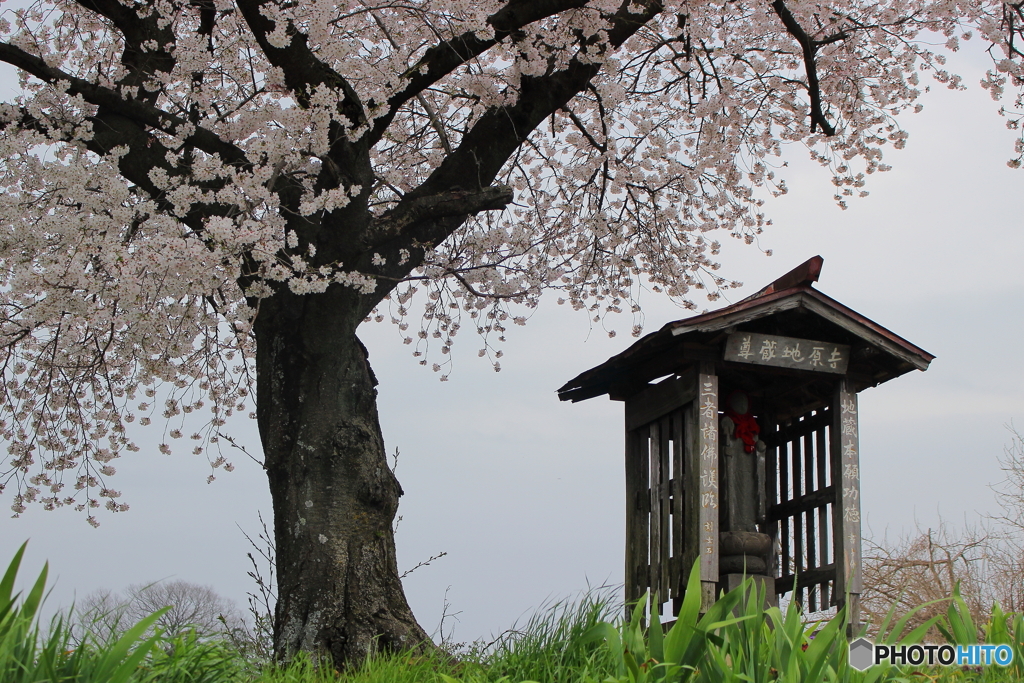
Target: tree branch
126	20
455	202
435	120
586	133
498	133
303	71
138	111
141	63
809	47
145	154
445	57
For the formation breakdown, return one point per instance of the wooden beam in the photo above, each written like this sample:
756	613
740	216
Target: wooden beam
796	430
660	399
864	332
740	317
810	577
809	501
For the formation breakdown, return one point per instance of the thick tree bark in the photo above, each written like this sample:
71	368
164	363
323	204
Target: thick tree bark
334	495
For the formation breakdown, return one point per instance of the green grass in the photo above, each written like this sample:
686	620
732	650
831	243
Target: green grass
580	641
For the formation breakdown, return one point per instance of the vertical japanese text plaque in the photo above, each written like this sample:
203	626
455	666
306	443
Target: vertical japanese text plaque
707	424
846	477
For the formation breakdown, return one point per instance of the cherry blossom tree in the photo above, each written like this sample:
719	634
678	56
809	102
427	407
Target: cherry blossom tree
203	199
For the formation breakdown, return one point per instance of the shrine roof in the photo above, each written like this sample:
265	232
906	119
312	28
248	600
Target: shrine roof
782	307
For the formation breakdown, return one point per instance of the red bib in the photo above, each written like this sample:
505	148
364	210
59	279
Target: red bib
746	429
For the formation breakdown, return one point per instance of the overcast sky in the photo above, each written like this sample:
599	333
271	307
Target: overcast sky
525	493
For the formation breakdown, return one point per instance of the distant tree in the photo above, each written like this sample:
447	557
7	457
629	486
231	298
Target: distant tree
193	607
1008	563
915	569
210	196
101	615
985	559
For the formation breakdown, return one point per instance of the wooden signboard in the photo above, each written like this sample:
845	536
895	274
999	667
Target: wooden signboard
787	352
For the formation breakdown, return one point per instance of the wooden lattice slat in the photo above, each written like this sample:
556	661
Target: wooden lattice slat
771	484
823	528
654	455
784	496
679	568
801	461
664	436
810	518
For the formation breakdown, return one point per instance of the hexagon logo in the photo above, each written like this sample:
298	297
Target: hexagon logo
862	654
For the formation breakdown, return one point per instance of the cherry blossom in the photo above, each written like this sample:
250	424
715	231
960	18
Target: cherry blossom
142	265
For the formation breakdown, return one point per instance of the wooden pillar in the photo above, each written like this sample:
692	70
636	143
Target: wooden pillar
637	516
846	539
706	467
656	506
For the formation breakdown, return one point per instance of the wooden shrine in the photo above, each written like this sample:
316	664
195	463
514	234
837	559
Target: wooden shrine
742	444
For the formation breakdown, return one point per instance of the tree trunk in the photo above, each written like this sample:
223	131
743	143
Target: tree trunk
334	495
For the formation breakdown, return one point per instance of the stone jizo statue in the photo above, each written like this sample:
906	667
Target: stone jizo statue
743	549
